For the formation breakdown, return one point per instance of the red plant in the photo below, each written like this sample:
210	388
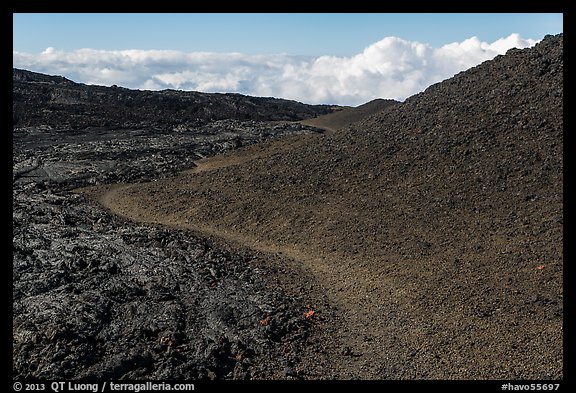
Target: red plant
310	313
265	321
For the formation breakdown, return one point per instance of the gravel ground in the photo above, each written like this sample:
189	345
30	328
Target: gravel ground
435	227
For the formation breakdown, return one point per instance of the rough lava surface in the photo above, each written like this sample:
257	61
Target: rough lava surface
99	297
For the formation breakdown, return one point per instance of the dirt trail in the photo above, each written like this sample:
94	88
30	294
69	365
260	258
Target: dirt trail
406	308
327	129
257	151
435	227
354	290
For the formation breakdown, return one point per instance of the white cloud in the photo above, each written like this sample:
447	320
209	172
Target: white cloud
390	68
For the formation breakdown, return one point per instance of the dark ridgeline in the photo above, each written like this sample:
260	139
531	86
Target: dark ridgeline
43	100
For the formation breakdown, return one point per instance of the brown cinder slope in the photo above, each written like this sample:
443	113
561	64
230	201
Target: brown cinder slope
349	115
436	226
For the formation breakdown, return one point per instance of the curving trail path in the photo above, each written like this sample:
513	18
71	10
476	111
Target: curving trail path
359	337
410	289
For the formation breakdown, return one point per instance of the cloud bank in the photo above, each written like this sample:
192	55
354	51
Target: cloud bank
390	68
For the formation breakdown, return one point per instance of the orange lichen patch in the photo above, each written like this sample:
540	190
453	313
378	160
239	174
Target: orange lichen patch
541	267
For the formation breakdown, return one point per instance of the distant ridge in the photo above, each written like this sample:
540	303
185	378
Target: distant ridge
60	103
36	77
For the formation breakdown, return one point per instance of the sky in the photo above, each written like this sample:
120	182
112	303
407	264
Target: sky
345	59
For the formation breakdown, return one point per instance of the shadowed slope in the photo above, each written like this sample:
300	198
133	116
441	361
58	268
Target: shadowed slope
435	226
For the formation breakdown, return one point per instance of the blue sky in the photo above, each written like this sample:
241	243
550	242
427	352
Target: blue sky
296	34
345	59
